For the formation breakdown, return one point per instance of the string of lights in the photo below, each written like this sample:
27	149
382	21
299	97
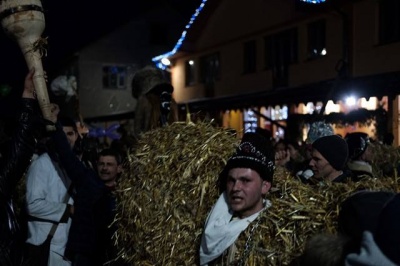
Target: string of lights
158	60
162	61
313	1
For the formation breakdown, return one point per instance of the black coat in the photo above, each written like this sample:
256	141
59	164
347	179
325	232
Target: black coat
16	159
93	205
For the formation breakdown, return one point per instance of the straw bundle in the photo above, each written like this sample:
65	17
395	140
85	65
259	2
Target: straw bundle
385	159
169	187
167	190
300	211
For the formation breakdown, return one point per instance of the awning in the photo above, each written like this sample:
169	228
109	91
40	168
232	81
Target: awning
387	84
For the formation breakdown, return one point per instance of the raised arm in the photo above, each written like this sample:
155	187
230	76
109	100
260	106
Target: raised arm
20	149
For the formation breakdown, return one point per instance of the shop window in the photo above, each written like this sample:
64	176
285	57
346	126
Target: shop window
279	113
389	21
189	72
114	77
250	121
249	57
317	39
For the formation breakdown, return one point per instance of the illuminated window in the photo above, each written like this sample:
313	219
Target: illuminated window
250	121
371	104
331	107
114	77
279	113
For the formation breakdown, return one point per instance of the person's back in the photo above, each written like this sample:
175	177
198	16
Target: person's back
46	194
15	159
49	199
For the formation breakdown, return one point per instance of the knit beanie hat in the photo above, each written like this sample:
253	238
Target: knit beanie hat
319	129
254	152
357	143
334	149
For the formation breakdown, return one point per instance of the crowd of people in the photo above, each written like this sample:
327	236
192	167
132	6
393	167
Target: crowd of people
350	157
367	228
69	206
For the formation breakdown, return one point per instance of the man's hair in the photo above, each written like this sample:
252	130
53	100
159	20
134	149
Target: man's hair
66	121
111	152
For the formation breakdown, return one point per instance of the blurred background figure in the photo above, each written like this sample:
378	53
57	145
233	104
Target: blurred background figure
155	105
367	234
360	155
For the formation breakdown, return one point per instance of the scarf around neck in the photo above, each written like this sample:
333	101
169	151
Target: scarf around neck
221	231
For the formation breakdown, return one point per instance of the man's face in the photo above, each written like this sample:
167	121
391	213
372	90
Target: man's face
367	155
245	189
320	166
72	136
108	168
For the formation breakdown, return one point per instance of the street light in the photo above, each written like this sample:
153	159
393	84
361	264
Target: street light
351	101
165	61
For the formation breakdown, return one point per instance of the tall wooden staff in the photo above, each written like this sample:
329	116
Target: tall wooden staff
23	20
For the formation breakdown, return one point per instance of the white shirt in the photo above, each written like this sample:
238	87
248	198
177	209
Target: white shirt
45	194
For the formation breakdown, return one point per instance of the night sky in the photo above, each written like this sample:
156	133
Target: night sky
71	24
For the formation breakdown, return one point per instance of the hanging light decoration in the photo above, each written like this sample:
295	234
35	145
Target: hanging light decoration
158	59
313	1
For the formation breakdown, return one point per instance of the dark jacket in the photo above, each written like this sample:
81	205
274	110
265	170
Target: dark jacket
345	177
16	159
93	205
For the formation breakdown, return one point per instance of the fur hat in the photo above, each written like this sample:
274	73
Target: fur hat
319	129
149	79
360	212
334	149
375	212
357	143
254	152
387	235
